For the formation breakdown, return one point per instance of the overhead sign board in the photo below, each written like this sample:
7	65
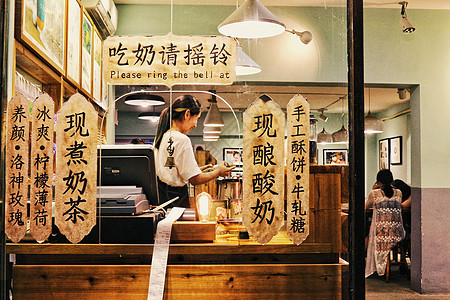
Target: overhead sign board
169	60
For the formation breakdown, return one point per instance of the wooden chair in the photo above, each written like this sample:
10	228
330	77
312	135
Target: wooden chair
392	259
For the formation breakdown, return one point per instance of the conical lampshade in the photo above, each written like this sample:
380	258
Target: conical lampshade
251	20
340	136
324	137
212	129
372	124
149	116
213	118
144	99
244	64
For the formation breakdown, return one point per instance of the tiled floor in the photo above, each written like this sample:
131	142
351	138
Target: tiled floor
398	288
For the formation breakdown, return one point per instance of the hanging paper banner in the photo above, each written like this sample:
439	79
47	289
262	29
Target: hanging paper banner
41	168
76	167
16	169
169	60
297	169
263	179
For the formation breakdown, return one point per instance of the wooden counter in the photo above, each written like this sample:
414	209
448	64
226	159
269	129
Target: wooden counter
228	267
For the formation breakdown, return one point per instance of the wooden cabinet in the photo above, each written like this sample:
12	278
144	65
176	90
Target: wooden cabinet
228	267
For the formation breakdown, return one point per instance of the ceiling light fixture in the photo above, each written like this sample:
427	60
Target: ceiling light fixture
402	94
406	24
211	135
304	36
213	117
341	136
212	129
371	123
244	64
324	137
251	20
322	116
143	98
149	116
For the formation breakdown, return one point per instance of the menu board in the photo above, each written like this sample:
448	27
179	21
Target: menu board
76	168
297	169
169	60
263	177
17	164
41	170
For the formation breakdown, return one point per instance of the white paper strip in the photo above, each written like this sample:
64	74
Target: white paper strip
160	254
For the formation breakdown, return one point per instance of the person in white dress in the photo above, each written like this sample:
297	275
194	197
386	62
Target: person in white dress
386	229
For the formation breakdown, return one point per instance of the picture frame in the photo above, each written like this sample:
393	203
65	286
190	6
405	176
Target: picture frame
86	54
43	28
73	55
395	150
97	68
233	155
383	153
335	156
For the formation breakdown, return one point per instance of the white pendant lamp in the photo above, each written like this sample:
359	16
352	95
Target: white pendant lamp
149	116
371	123
213	118
210	137
251	20
143	99
324	137
212	129
341	136
244	64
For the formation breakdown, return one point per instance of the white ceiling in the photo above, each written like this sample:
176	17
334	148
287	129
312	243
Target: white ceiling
412	4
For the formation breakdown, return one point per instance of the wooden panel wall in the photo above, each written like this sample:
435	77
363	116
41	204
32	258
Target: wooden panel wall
321	281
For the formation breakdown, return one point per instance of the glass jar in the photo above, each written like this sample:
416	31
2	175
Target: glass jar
312	140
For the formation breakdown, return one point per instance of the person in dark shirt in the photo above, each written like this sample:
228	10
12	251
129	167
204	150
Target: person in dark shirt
406	192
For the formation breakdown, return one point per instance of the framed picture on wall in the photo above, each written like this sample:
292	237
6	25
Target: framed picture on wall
73	42
43	29
86	55
395	150
335	157
383	153
233	155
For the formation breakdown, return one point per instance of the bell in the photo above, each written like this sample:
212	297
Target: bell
170	162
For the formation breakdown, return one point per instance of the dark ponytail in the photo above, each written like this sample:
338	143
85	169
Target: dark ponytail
385	178
179	108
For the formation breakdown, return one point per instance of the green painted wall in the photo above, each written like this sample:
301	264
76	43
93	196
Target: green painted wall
422	58
390	57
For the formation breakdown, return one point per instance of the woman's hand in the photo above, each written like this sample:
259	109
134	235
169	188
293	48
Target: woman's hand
206	167
223	170
377	185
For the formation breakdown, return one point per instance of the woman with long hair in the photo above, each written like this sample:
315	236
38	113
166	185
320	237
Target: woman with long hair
172	140
386	229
